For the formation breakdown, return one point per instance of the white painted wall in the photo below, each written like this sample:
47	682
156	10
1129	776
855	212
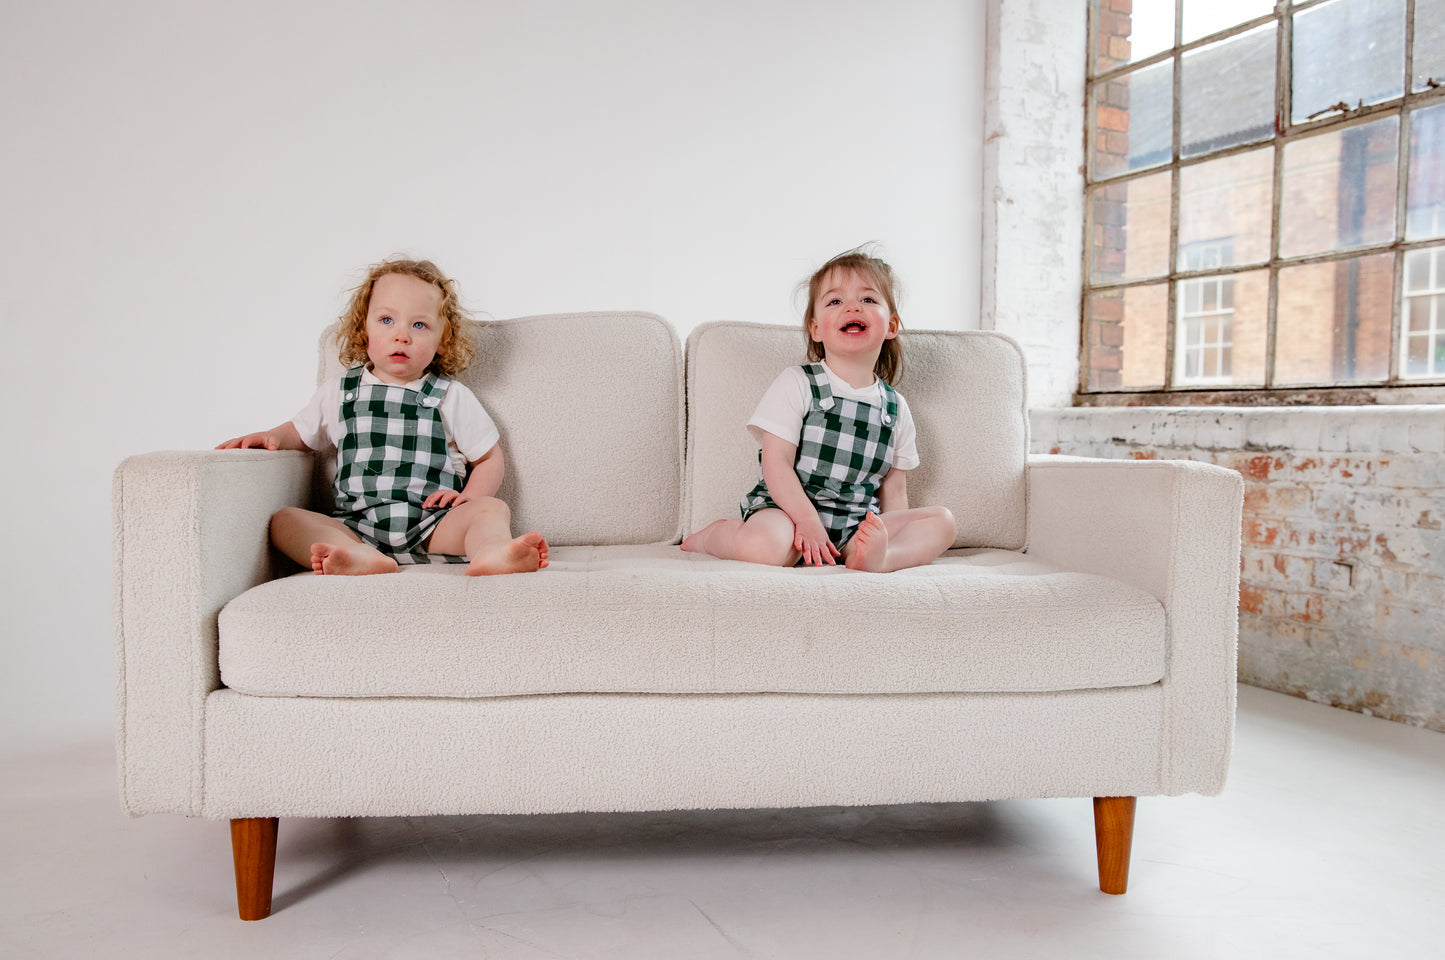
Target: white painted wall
186	190
1033	187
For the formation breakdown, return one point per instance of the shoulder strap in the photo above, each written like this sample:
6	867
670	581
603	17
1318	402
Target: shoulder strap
818	383
433	388
890	402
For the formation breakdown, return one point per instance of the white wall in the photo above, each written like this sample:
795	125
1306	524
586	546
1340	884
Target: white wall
187	189
1033	227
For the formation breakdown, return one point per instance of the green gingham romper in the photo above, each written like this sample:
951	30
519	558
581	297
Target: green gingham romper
391	458
845	451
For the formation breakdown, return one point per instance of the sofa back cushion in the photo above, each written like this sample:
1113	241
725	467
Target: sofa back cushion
589	406
966	392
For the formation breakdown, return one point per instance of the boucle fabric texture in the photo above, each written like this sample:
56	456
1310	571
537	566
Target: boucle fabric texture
589	406
657	620
966	390
191	537
317	757
1171	527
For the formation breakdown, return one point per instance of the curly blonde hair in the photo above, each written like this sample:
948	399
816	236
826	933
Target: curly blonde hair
879	275
454	352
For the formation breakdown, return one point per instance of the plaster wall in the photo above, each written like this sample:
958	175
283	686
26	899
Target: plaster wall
187	191
1033	187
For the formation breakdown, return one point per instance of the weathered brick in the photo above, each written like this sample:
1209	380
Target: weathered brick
1111	118
1425	590
1333	576
1259	532
1251	598
1363	434
1335	435
1306	607
1427	435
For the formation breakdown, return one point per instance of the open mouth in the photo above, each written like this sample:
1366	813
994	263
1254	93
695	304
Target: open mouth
398	355
854	326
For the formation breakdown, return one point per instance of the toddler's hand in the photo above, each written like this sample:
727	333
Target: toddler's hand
444	498
811	540
266	440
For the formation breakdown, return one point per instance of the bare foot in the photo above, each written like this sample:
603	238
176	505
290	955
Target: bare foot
521	555
698	542
349	561
870	546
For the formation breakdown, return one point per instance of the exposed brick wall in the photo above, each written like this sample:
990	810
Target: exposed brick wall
1342	580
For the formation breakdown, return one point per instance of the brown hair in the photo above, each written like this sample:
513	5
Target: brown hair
879	275
454	351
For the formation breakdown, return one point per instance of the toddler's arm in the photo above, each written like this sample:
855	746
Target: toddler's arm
284	437
810	537
893	494
484	478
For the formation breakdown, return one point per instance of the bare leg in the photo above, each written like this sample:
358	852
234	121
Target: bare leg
765	537
903	538
481	529
325	544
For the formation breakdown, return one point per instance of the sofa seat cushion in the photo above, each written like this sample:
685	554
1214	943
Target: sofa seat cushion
653	619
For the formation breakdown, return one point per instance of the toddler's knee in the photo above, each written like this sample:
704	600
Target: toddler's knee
287	515
774	551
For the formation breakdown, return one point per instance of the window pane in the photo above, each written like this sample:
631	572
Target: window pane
1227	198
1226	93
1349	51
1133	121
1219	336
1203	17
1333	321
1128	30
1425	216
1339	189
1429	60
1130	227
1423	349
1126	338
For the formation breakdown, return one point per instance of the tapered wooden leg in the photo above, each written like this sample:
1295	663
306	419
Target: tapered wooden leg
253	847
1114	834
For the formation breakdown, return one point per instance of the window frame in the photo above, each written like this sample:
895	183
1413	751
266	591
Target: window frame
1396	388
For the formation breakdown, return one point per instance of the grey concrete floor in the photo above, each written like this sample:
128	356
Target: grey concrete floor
1328	842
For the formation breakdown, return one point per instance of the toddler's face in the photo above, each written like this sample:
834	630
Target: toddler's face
403	327
850	316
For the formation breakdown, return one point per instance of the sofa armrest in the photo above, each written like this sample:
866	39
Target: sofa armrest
190	533
1172	528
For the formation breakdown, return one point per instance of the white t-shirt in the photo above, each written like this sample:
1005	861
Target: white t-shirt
470	431
785	403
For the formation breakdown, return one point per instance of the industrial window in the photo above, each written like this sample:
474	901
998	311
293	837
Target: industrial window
1265	209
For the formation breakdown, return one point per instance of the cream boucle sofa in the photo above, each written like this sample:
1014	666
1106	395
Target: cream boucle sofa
1078	642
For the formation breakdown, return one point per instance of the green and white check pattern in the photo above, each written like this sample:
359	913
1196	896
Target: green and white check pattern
392	457
844	452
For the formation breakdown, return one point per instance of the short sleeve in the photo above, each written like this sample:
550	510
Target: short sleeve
468	425
905	438
783	406
312	423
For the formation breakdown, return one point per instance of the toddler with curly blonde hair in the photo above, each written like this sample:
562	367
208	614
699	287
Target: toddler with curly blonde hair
418	460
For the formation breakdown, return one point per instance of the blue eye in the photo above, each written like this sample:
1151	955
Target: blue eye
384	320
420	325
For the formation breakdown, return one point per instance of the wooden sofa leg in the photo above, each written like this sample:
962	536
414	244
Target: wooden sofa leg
1114	835
253	847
